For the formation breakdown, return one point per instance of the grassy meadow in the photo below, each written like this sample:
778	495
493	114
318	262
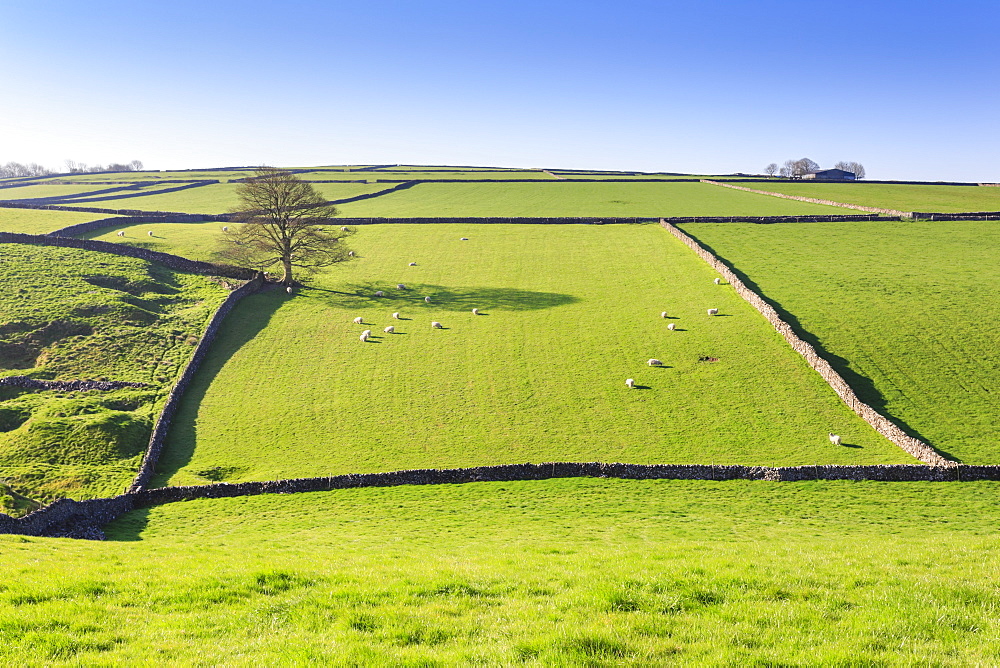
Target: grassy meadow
46	190
570	312
559	572
41	221
902	197
89	316
907	308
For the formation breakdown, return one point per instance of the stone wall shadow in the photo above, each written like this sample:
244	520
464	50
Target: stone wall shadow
863	386
448	298
244	322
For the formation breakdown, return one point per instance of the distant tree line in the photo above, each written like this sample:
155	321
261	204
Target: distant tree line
796	169
14	169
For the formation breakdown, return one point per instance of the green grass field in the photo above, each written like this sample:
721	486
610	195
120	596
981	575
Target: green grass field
51	190
36	221
558	198
943	199
571	312
88	316
908	307
562	572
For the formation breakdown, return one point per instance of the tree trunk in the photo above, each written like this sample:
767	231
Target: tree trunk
287	278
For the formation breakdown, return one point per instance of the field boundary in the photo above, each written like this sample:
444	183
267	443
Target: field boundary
84	519
813	200
879	422
166	416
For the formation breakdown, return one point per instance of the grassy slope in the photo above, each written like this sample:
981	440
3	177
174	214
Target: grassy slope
566	572
57	190
911	306
559	198
90	315
945	199
572	312
35	221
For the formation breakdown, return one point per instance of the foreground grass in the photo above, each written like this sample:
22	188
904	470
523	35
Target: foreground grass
41	221
908	308
570	312
564	198
562	572
944	199
67	314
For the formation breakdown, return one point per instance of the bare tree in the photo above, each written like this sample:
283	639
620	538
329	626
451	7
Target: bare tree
135	165
771	169
855	168
282	221
795	169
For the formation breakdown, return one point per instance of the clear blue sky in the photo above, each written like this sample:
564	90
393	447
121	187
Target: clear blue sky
909	89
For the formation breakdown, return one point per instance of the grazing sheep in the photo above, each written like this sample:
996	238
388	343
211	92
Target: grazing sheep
717	281
122	233
436	325
654	362
225	228
713	311
475	311
358	320
379	293
150	233
671	327
835	439
663	315
629	382
389	330
364	335
288	289
350	253
413	264
400	286
396	316
465	238
343	229
427	299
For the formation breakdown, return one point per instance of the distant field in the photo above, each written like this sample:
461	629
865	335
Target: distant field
944	199
559	198
68	314
910	306
40	221
192	240
31	192
572	311
560	572
428	175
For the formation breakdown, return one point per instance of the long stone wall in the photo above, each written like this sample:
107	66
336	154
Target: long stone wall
152	454
813	200
173	261
879	422
84	519
25	383
609	221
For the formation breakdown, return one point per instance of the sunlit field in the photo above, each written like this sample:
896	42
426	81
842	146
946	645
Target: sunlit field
902	197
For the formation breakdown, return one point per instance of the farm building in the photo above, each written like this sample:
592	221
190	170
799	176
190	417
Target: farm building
830	175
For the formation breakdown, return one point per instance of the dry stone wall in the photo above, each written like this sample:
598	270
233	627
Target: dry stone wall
25	383
813	200
879	422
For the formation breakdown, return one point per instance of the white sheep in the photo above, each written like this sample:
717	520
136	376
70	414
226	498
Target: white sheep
671	327
475	311
654	362
629	382
350	253
364	335
389	330
288	289
379	293
413	264
713	311
427	299
717	281
663	315
358	320
150	233
121	233
400	286
436	325
835	439
395	316
465	238
225	228
343	229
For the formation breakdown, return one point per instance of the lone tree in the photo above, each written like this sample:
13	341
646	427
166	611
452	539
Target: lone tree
282	220
771	169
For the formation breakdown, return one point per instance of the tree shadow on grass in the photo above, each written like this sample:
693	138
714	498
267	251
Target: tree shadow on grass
243	323
362	295
863	386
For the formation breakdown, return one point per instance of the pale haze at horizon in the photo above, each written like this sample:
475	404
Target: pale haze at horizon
908	89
